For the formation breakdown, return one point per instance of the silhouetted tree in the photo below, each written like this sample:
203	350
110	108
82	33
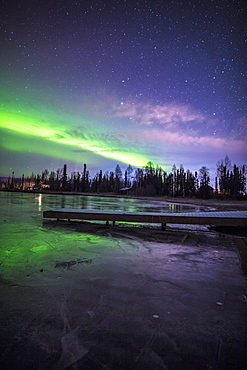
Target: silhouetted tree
205	191
216	185
12	184
22	182
128	175
147	181
223	174
44	176
64	179
51	180
204	176
38	181
58	178
118	172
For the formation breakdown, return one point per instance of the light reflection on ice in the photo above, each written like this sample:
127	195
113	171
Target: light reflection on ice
38	199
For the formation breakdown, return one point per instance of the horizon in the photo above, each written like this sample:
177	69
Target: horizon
93	175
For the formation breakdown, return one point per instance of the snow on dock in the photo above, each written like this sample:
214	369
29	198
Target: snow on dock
229	218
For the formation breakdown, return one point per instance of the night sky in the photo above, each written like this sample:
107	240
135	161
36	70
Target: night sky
122	82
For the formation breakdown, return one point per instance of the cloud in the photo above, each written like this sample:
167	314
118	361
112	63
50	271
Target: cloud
181	124
178	138
169	114
123	110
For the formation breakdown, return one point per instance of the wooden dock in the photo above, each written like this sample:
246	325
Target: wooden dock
231	218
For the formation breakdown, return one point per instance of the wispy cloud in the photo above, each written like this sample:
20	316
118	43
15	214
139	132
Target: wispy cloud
178	138
169	114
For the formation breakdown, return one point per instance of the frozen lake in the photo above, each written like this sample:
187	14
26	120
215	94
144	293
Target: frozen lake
25	238
23	233
88	296
31	206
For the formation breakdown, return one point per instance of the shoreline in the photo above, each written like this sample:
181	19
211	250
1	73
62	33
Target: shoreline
218	204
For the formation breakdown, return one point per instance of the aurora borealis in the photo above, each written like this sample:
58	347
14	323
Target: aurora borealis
119	82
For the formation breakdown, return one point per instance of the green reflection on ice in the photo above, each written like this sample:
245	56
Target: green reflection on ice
28	250
39	248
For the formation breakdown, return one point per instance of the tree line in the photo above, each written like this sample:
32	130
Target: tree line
150	180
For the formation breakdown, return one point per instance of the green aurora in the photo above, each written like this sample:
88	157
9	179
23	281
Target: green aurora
58	135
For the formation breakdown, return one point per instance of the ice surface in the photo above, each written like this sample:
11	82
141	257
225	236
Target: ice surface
72	351
87	296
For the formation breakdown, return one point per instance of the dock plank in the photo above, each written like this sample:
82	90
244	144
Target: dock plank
231	218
